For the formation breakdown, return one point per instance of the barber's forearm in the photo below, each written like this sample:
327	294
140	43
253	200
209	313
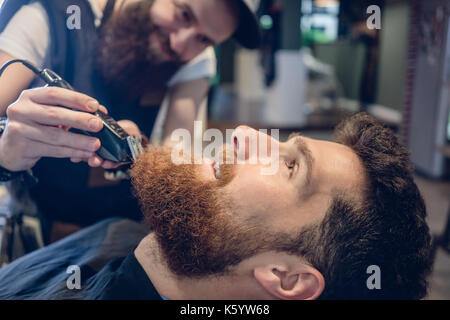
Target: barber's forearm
13	81
182	116
184	106
1	153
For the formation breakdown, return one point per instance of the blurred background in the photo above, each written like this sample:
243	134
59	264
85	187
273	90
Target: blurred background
321	61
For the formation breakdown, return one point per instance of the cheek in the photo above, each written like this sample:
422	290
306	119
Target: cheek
192	53
186	43
258	195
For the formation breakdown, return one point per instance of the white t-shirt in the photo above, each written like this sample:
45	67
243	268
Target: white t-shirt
27	36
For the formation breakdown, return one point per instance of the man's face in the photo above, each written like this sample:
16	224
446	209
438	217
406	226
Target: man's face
145	42
300	192
186	27
206	223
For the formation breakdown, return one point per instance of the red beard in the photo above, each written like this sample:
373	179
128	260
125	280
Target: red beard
199	231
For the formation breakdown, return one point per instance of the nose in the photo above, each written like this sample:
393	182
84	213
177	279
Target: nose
251	144
181	40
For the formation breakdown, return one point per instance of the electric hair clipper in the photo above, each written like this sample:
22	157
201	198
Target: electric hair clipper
116	144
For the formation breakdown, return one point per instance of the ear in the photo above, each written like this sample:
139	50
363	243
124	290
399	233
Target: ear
303	282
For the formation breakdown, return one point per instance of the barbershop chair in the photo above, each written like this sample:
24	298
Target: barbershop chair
18	236
443	240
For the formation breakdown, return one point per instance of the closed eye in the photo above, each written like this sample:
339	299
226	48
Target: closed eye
291	165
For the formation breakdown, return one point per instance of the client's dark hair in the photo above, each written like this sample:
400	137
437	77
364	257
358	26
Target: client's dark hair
387	230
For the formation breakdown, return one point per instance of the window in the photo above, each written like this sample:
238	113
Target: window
319	22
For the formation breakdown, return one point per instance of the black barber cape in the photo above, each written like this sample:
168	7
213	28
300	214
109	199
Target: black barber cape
107	267
63	192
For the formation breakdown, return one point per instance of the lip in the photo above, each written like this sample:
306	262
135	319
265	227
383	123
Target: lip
213	169
163	48
210	166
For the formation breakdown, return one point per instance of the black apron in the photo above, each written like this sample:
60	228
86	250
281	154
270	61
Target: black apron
62	193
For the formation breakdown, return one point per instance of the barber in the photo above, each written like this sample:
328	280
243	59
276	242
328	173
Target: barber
123	58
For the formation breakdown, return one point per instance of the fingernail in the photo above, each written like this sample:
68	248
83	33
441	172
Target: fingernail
103	108
94	145
95	124
93	105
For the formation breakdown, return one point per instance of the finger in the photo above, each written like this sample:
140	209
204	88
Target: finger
40	150
111	165
76	160
95	161
57	116
65	128
130	127
103	109
59	137
63	97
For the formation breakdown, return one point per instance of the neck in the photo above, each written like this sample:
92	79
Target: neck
174	287
101	4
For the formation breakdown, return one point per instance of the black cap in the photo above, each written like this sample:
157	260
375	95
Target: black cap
248	33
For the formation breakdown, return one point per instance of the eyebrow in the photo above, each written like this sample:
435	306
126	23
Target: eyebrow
306	152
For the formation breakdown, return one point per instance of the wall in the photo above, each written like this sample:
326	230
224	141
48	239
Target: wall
430	102
393	54
290	34
348	60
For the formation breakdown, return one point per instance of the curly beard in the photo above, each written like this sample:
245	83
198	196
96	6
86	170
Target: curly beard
198	230
125	58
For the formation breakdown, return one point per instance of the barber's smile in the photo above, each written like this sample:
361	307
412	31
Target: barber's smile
164	46
164	49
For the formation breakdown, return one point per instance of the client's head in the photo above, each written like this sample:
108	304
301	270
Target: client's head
310	230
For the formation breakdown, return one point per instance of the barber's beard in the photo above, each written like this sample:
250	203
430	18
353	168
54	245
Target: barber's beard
125	57
197	229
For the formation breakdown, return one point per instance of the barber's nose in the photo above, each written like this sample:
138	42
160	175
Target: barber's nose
248	142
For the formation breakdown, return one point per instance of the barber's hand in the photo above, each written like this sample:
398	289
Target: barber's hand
37	127
95	161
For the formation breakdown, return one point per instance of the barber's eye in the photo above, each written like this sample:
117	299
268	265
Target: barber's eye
204	40
185	15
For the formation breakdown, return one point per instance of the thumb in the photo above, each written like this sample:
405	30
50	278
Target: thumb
130	127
